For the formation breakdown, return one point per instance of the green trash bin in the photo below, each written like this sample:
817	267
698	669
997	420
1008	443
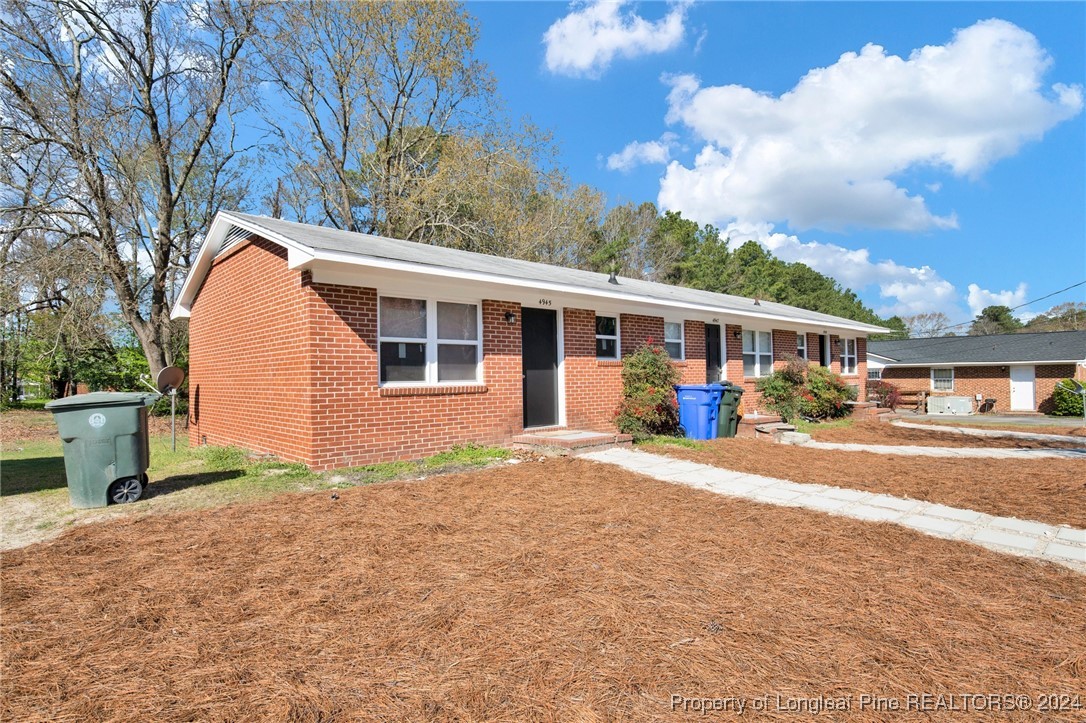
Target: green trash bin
106	452
729	409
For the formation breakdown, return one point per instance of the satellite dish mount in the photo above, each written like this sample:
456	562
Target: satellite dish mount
168	381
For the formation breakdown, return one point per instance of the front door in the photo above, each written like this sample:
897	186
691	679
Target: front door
539	349
824	350
712	354
1022	378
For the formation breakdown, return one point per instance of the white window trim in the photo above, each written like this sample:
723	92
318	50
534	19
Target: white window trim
432	341
617	337
951	369
681	339
846	370
801	335
876	371
758	353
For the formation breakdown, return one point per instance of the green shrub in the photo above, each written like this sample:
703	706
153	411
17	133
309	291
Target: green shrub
648	394
808	392
1066	402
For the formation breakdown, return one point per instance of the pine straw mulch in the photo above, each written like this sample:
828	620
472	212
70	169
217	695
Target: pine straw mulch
873	432
541	591
1048	490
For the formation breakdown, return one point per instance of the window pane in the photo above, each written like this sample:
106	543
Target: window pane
457	363
457	321
748	365
766	362
674	349
673	330
748	342
606	326
403	362
606	349
403	318
765	339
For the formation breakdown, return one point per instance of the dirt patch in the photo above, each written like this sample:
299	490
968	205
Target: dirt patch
1049	490
1035	429
32	425
883	433
561	590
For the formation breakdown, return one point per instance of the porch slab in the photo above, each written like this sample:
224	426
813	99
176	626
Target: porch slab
570	441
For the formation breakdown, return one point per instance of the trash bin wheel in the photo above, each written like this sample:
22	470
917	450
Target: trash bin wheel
125	490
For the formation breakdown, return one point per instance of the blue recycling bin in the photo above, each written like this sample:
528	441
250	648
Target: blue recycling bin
699	409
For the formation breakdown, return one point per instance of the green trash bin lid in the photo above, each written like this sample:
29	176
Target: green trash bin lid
103	399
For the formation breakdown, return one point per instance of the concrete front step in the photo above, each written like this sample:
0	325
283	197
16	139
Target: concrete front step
569	441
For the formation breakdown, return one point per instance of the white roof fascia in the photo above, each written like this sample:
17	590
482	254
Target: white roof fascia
446	272
880	356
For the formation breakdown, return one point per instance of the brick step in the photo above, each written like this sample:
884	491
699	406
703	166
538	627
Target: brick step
569	441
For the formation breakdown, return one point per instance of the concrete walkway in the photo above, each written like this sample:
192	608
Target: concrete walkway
1062	545
969	452
977	432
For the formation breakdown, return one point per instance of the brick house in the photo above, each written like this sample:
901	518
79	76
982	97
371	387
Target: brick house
1017	371
334	348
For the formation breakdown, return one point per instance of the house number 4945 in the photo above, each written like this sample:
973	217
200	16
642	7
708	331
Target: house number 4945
544	302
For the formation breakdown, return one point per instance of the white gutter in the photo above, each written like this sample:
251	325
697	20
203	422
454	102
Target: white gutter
301	257
896	365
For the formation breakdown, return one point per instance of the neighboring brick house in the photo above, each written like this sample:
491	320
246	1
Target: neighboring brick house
334	348
1017	371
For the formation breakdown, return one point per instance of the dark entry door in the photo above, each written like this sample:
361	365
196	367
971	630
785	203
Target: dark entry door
824	350
539	347
712	353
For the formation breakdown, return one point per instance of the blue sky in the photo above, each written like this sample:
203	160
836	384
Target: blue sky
931	156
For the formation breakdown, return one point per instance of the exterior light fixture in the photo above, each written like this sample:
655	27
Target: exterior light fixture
510	317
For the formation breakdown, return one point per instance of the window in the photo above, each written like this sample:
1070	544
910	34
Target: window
801	345
848	356
428	342
607	337
942	380
757	353
874	373
673	339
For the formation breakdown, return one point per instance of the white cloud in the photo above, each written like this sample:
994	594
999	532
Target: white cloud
638	153
823	154
902	289
979	298
585	42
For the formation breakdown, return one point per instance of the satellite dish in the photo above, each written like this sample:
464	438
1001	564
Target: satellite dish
169	379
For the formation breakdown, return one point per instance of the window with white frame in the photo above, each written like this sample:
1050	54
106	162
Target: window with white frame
874	373
942	380
673	339
757	353
607	337
428	342
848	356
801	345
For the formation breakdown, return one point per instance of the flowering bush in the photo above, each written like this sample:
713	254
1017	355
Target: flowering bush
810	392
648	396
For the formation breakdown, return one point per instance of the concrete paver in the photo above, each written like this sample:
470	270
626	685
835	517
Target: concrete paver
1061	545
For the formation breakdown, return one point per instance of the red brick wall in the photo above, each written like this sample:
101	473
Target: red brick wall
693	368
593	387
356	422
249	378
992	382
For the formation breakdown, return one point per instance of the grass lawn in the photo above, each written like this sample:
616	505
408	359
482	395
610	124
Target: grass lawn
34	502
561	590
1048	490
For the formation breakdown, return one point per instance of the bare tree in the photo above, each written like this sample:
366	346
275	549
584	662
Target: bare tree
929	324
134	98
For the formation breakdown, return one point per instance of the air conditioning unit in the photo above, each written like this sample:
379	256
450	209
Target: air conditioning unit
950	405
